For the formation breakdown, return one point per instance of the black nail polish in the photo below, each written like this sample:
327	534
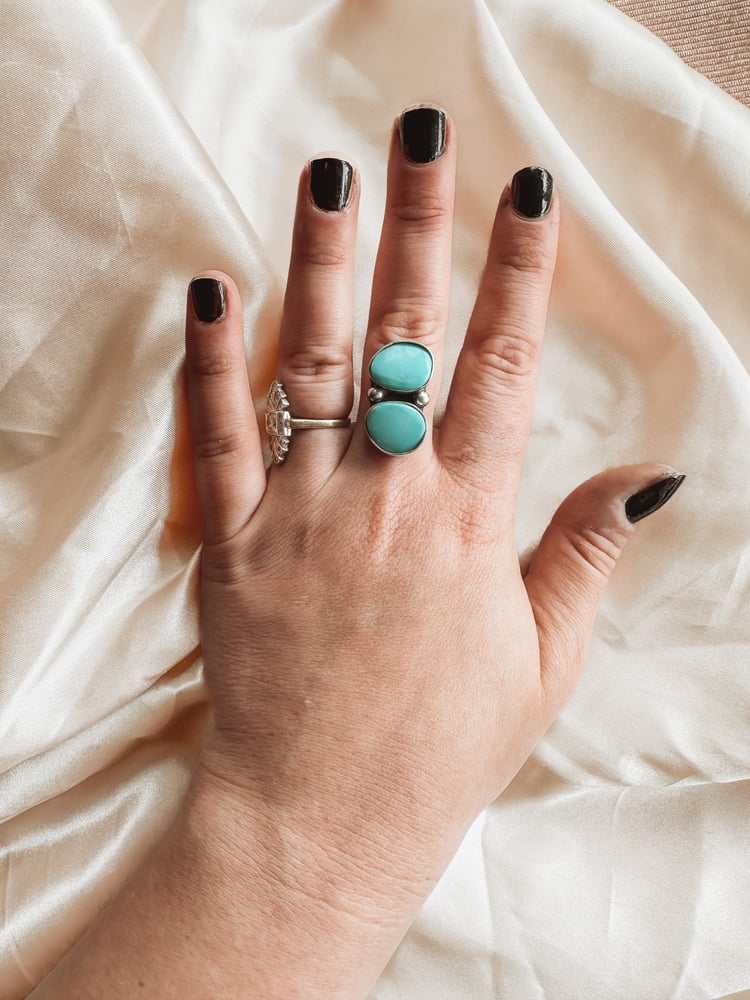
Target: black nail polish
531	191
422	134
208	299
330	183
642	504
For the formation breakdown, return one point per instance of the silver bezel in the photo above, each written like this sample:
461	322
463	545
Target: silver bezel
397	454
410	392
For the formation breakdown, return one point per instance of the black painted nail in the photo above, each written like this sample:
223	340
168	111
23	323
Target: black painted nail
330	183
208	299
642	504
531	191
422	134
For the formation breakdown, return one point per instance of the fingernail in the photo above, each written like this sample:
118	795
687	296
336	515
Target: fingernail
531	191
422	134
330	183
208	299
647	501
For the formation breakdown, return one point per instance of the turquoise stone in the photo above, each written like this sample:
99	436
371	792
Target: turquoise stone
402	367
396	428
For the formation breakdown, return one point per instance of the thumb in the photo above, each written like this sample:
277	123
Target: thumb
568	572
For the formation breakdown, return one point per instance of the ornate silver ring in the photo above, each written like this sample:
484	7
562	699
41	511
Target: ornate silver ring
280	423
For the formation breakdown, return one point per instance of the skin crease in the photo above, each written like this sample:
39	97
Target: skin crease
379	662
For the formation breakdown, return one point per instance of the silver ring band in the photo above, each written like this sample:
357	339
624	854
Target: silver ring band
280	423
306	424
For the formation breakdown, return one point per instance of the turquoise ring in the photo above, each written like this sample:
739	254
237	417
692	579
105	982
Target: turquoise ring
399	374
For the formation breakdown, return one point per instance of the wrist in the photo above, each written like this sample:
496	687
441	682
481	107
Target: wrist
319	919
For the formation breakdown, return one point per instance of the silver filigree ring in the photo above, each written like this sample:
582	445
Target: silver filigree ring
280	423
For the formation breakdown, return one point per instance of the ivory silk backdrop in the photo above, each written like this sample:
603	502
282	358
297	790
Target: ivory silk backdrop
143	141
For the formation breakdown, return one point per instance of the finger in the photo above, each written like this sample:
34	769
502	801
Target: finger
487	421
227	453
315	344
411	284
575	558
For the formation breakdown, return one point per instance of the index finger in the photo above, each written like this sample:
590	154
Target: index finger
487	421
227	454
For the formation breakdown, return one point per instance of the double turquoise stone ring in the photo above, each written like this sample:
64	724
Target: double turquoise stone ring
399	373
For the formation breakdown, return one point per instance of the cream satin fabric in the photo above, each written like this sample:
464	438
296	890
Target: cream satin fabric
144	141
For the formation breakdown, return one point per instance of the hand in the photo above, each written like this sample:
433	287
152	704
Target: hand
379	664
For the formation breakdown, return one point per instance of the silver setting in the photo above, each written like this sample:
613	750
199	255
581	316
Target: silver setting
421	399
376	395
280	423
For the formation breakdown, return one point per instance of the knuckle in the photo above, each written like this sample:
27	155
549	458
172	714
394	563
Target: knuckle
595	548
317	254
222	564
423	210
214	364
510	358
461	460
410	321
476	505
529	259
319	365
211	444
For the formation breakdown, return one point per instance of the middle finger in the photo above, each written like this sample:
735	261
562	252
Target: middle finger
411	283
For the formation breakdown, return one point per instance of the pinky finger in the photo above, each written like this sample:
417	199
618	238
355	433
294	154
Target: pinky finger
229	472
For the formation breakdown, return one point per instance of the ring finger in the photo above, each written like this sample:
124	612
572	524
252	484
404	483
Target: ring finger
411	284
315	342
